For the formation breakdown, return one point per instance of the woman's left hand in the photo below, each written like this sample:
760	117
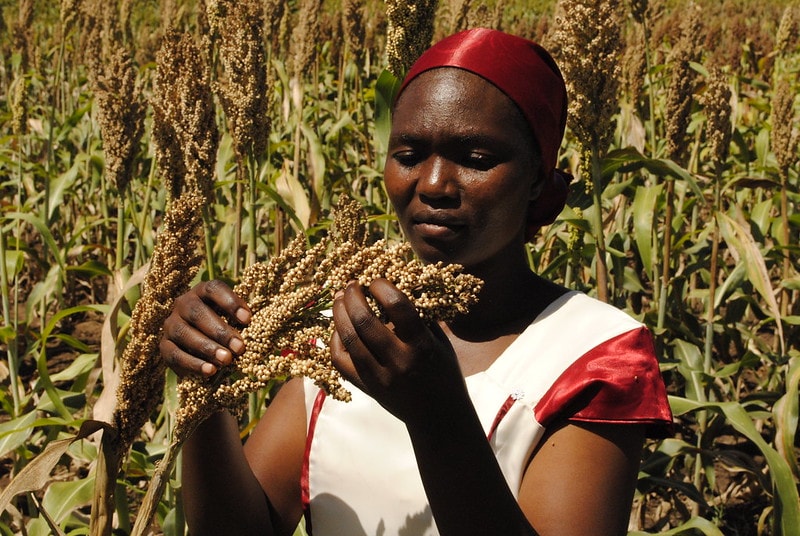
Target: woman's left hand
406	365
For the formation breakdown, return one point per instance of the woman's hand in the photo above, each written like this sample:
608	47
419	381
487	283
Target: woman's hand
407	366
196	339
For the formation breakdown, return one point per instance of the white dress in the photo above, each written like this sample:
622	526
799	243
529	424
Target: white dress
579	360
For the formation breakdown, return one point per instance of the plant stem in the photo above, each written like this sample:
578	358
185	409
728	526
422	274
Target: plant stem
108	462
599	235
667	254
10	322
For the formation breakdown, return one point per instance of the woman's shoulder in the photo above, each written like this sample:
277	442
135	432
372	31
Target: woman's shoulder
584	316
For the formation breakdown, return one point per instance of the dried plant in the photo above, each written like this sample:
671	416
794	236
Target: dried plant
634	65
682	80
19	110
788	31
289	297
588	32
588	35
784	135
174	264
120	112
21	35
184	130
243	88
459	14
717	103
303	48
353	22
409	32
784	140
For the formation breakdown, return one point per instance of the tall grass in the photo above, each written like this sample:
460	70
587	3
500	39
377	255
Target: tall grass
696	231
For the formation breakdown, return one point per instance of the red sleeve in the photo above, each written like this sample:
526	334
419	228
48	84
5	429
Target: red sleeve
616	382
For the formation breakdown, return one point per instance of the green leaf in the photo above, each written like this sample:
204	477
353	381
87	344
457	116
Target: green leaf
696	523
80	366
62	498
36	474
787	501
91	268
739	238
15	433
786	412
59	185
386	89
629	159
644	207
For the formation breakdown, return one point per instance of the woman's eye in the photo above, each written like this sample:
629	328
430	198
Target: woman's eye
480	161
406	158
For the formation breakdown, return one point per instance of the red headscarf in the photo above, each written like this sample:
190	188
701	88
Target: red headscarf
525	72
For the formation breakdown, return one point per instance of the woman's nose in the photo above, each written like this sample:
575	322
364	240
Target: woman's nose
437	179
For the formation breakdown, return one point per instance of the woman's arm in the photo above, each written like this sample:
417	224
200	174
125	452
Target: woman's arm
414	374
229	488
579	482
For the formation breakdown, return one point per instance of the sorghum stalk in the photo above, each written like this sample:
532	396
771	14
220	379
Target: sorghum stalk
678	110
718	114
243	93
589	35
784	141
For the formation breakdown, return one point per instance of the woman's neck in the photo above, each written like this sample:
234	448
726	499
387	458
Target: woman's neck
511	298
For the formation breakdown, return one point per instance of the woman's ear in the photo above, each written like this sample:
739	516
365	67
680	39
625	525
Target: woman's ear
545	208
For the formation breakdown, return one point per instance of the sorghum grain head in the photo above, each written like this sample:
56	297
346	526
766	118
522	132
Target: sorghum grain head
184	127
717	103
409	32
784	135
303	48
588	33
243	90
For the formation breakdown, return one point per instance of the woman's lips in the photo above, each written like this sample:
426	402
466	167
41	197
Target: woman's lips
437	228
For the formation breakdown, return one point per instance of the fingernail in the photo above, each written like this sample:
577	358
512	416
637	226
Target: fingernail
223	356
237	345
242	315
208	369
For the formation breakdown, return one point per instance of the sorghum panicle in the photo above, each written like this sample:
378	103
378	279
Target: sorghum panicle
784	134
174	264
409	32
588	34
184	128
717	102
243	89
121	113
290	298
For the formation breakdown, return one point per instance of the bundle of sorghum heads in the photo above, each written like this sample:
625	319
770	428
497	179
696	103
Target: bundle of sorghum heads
290	298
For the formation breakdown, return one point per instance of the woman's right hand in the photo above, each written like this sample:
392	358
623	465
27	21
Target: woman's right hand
196	339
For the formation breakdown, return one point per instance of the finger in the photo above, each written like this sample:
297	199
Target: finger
198	314
369	331
222	297
405	319
343	362
183	363
196	343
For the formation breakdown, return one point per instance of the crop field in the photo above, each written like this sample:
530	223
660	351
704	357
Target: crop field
147	145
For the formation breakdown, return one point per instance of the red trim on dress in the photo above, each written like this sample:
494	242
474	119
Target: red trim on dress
500	414
616	382
304	476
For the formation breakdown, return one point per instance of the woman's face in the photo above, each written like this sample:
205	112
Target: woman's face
460	169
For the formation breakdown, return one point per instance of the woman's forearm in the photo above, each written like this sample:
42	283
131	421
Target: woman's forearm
221	494
463	481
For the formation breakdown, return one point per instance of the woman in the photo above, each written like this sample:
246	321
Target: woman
525	416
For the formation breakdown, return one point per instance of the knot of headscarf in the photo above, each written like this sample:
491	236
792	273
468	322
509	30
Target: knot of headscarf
529	76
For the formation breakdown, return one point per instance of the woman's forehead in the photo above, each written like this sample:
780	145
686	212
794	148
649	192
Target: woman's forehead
459	95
